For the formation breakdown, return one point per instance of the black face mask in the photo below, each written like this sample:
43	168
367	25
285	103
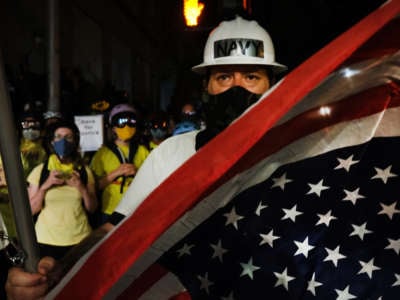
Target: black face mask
223	108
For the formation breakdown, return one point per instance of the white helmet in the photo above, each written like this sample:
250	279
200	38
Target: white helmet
239	42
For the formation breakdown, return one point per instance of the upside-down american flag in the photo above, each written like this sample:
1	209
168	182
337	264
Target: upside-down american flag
300	203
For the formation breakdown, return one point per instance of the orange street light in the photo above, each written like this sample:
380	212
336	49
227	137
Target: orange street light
192	10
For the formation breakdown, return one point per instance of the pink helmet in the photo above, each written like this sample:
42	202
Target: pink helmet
120	108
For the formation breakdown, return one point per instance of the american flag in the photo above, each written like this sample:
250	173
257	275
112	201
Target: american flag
308	211
316	219
323	227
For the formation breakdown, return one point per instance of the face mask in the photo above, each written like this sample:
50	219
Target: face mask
63	148
185	126
31	134
125	133
225	107
158	134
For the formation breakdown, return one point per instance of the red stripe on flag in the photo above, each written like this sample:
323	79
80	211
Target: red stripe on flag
144	282
158	212
373	100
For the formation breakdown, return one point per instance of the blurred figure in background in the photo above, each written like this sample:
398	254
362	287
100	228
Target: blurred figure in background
115	164
157	129
5	263
189	119
32	151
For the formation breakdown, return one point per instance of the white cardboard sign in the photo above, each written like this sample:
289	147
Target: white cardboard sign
91	131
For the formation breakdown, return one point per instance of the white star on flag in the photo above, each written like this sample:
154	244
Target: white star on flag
232	218
383	174
303	247
334	255
280	181
344	294
312	284
325	219
317	188
346	163
394	244
268	238
218	250
353	196
360	230
291	213
260	207
185	250
205	283
368	267
283	279
249	268
397	282
389	210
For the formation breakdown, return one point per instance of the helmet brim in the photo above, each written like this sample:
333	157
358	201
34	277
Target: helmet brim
275	67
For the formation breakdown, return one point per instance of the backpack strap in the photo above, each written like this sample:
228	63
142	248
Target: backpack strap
116	151
83	174
45	172
133	147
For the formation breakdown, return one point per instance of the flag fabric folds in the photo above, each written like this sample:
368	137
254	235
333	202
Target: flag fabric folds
324	226
281	214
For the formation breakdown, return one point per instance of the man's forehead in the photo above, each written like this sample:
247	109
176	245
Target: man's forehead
237	68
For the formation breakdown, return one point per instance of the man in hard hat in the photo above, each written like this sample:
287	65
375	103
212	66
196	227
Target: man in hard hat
239	66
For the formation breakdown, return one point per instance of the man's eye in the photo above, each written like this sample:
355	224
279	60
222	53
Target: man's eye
223	77
252	77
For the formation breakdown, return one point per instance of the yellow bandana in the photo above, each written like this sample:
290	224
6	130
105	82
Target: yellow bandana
56	164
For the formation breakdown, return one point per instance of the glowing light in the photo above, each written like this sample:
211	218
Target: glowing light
192	10
347	72
324	111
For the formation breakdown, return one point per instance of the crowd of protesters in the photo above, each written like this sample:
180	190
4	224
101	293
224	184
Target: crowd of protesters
57	172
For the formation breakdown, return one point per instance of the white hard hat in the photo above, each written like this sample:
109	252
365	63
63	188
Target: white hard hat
239	42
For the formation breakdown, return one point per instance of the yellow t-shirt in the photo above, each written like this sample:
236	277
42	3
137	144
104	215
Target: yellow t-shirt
32	153
152	145
63	220
104	162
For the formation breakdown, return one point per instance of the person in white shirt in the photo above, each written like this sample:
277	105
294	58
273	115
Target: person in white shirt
239	66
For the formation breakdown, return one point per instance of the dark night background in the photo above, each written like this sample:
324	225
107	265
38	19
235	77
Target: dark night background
145	49
297	28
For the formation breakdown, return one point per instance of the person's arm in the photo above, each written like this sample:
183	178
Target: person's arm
122	170
87	191
22	285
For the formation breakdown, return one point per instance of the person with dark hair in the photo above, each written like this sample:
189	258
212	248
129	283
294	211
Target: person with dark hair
235	79
61	192
115	164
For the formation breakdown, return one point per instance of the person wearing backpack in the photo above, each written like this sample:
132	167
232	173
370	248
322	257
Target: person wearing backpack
116	163
61	192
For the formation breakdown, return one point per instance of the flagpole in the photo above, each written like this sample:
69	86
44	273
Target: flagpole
17	189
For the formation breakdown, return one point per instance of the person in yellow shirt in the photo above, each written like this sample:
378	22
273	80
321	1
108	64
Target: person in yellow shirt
115	164
62	192
31	146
